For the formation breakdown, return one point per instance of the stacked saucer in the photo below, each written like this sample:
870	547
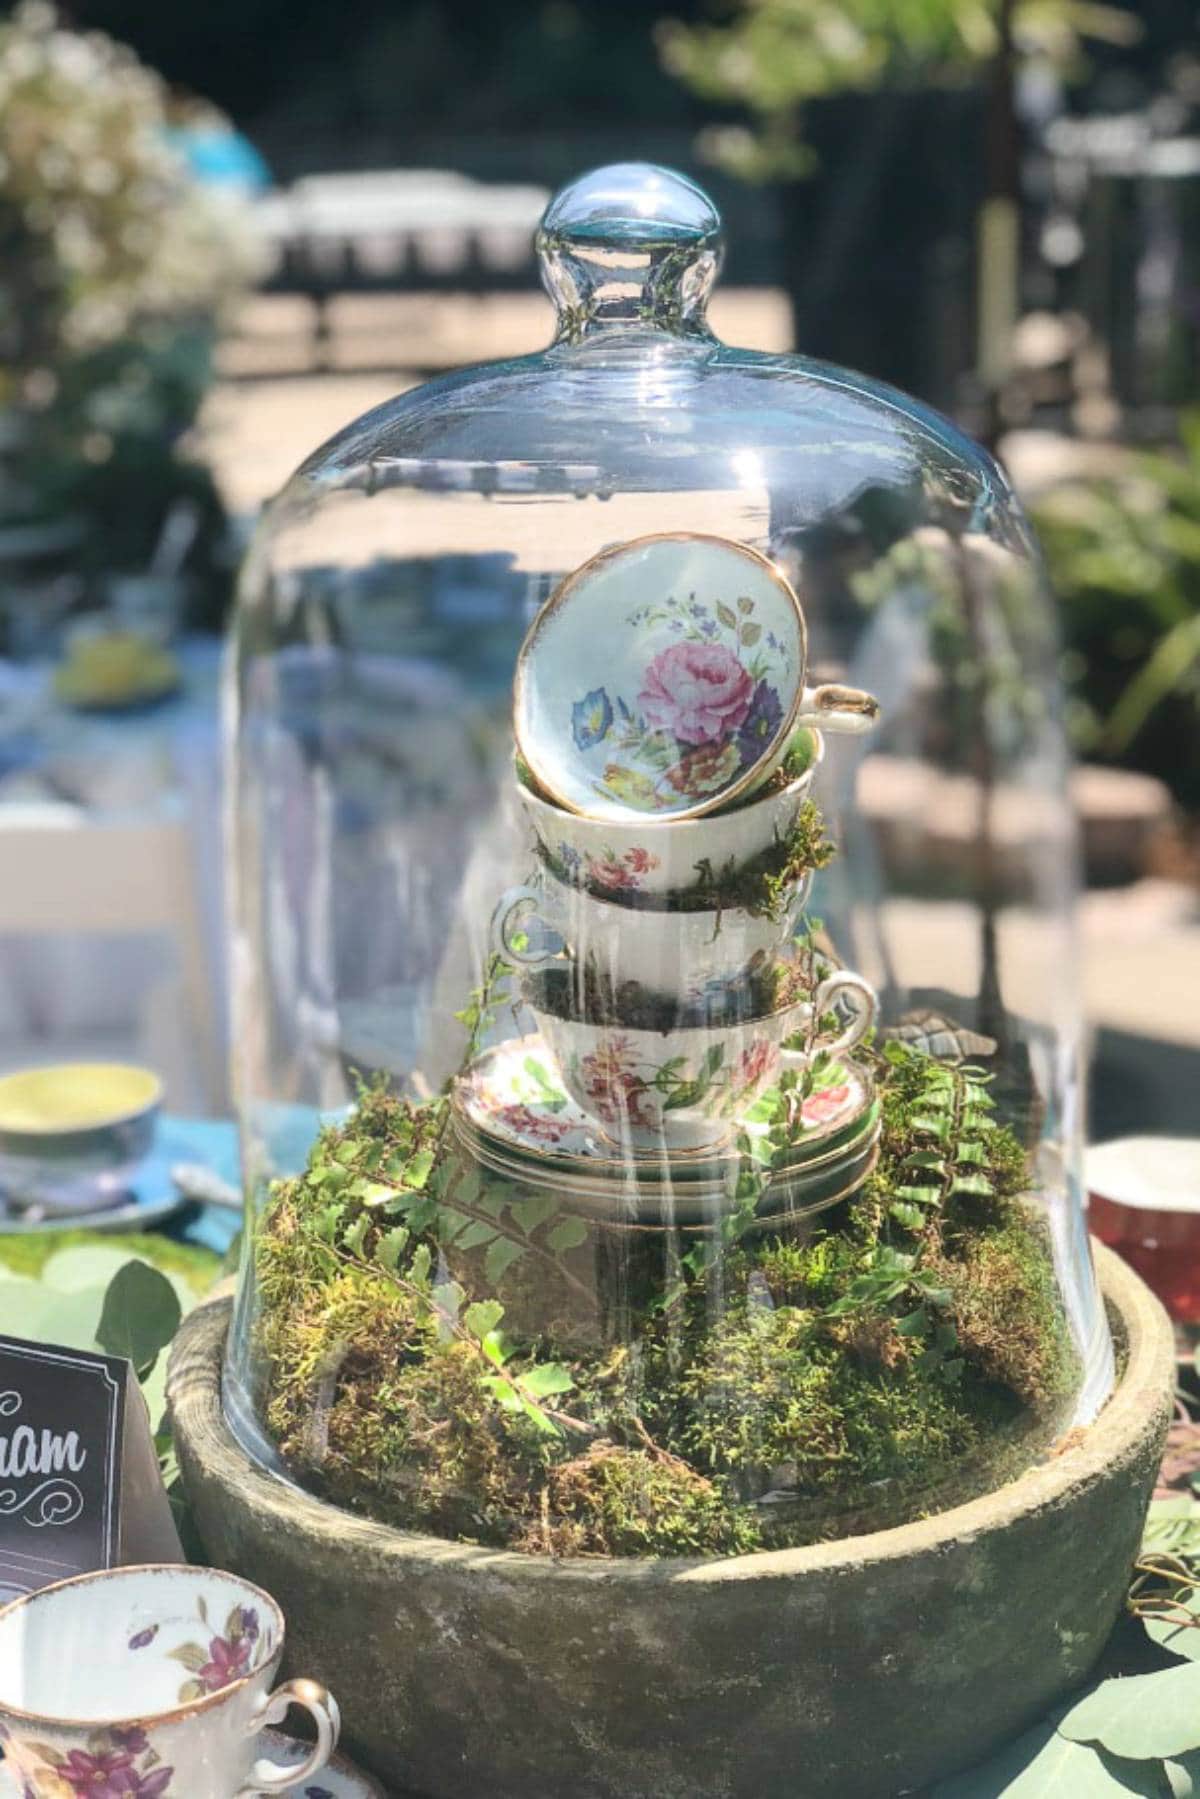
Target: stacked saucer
511	1114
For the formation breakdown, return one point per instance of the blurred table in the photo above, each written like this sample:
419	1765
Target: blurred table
61	767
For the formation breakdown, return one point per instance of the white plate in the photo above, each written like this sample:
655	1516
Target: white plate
663	677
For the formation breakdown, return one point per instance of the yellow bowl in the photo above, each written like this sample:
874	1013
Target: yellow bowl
96	1113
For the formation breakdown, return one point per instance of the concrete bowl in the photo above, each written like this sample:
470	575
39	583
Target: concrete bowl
864	1668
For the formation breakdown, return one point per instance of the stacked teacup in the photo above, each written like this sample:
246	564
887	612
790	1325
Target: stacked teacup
658	790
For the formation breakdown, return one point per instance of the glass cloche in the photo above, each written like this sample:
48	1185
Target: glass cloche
657	1023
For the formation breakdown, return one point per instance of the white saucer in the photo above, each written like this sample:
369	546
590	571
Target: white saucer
340	1780
512	1098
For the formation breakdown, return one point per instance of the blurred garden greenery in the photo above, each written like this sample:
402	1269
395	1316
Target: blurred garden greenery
1124	561
115	266
775	57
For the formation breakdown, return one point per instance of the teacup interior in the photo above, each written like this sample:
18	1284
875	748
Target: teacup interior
133	1643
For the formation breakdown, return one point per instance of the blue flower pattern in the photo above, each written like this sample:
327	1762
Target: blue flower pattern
591	719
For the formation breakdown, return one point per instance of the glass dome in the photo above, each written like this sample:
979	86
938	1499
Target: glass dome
657	1025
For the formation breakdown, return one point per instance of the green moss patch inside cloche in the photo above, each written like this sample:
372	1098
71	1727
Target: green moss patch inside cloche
452	1353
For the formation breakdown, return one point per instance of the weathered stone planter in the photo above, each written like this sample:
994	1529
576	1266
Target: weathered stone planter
862	1669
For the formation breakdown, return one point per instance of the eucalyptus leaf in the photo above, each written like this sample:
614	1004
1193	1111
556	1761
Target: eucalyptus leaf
1041	1764
1180	1638
84	1265
140	1316
40	1315
1144	1716
1183	1776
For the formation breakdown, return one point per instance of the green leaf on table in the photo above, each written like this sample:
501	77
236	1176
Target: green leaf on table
1041	1764
1175	1634
1144	1716
1183	1775
41	1315
140	1316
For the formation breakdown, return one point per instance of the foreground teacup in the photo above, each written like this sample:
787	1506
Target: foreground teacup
150	1682
646	855
692	958
686	1087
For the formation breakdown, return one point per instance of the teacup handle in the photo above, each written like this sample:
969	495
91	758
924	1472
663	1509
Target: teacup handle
322	1708
837	708
842	984
505	920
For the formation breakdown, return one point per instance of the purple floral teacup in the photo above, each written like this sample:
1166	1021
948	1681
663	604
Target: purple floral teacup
150	1683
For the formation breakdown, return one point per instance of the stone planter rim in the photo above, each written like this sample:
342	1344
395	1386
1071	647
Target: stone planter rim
1145	1342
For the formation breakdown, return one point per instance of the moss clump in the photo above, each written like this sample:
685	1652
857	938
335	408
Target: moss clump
764	1391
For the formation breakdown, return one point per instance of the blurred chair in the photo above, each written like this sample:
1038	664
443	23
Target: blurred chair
63	874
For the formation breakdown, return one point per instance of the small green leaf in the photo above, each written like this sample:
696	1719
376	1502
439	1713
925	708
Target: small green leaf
913	1324
727	616
503	1391
496	1347
920	1196
547	1379
688	1093
745	605
353	1237
500	1256
970	1155
377	1193
140	1316
477	1233
415	1172
448	1298
532	1212
976	1184
926	1158
911	1217
567	1235
750	635
419	1267
483	1317
391	1247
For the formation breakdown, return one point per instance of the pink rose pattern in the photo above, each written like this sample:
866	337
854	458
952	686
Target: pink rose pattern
707	709
698	691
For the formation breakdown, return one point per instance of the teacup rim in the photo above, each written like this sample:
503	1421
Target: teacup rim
171	1714
637	820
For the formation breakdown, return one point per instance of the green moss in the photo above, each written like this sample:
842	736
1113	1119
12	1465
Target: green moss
642	1406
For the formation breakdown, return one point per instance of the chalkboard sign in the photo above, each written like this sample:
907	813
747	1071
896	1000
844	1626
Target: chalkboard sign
79	1485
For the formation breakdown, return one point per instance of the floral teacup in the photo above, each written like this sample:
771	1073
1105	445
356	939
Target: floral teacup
685	1088
150	1683
696	959
657	856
